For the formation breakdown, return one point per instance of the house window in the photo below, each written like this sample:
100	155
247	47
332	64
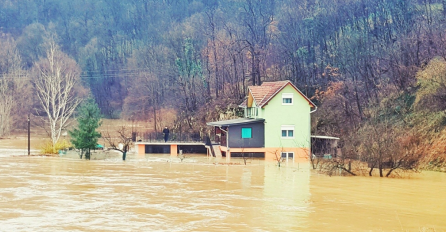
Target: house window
246	132
287	131
287	156
287	98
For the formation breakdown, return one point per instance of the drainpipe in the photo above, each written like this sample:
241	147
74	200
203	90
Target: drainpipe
309	129
227	140
315	108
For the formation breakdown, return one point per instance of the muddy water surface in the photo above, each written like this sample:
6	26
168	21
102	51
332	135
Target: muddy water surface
156	193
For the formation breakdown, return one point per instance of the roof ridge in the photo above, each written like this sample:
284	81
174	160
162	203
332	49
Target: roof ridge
281	88
275	92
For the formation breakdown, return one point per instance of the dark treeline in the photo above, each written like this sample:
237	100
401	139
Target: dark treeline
359	60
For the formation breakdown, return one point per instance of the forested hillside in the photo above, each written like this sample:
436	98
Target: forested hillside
375	68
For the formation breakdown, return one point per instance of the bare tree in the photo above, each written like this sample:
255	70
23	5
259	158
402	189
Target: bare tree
278	156
121	142
257	18
6	102
12	85
56	78
389	148
336	165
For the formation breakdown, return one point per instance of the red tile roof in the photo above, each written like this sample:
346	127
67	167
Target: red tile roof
264	93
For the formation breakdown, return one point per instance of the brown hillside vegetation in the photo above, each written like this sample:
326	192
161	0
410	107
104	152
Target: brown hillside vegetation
401	132
374	68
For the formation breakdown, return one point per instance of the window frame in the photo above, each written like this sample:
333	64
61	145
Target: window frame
250	132
287	155
287	128
287	96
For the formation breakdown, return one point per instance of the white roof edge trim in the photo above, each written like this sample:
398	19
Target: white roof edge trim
253	98
298	90
324	137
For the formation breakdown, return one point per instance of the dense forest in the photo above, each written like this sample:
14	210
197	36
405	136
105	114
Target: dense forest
375	68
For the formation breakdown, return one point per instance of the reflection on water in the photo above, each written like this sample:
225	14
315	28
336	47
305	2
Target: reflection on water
157	193
379	204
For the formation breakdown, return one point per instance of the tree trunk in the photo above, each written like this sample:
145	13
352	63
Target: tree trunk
124	154
443	2
371	170
390	172
154	118
380	170
253	74
348	171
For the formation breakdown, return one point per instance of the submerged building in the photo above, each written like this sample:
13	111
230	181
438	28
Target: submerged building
276	124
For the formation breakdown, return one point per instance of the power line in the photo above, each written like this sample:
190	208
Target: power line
122	73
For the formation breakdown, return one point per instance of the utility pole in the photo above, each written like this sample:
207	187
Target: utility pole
29	136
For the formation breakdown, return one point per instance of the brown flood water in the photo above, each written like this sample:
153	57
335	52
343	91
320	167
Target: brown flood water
152	194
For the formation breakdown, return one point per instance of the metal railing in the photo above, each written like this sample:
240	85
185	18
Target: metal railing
251	112
173	137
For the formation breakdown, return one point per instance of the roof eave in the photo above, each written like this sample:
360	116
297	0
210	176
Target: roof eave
253	98
235	123
281	88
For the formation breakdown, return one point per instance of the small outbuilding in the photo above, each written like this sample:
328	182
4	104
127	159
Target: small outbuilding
325	146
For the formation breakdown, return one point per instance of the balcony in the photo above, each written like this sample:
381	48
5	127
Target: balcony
251	112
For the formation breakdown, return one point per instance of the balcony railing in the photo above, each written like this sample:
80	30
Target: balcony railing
173	137
251	112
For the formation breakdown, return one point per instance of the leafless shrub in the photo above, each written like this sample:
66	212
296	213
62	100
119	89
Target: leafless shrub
121	141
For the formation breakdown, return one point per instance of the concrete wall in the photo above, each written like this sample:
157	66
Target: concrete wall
272	153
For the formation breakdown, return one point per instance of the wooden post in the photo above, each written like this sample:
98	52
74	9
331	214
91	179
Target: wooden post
29	136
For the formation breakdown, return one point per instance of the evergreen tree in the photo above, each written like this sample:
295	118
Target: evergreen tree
85	137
